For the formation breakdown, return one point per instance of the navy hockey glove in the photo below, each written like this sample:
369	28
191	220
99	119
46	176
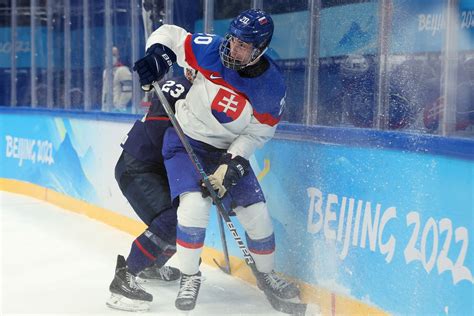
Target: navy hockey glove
154	65
228	173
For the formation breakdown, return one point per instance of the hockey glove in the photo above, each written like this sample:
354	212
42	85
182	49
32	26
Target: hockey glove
228	173
154	65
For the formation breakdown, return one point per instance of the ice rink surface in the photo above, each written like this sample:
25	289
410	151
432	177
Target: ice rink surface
56	262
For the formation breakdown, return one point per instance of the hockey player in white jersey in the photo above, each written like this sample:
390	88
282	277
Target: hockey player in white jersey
232	109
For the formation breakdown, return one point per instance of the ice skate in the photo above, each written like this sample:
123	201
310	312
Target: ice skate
126	294
282	288
188	291
154	273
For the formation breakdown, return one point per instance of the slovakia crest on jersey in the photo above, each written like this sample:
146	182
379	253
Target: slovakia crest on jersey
227	106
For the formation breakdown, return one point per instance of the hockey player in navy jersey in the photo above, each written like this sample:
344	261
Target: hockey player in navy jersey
232	108
141	176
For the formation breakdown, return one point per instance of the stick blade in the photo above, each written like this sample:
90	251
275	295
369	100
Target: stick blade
285	306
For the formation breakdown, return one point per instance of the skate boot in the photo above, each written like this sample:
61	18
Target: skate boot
188	291
282	288
126	294
165	273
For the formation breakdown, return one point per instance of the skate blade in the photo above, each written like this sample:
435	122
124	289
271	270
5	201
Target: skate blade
123	303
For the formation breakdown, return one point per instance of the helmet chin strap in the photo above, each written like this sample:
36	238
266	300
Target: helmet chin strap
255	60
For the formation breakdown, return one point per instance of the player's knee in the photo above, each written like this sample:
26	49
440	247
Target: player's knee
193	210
255	220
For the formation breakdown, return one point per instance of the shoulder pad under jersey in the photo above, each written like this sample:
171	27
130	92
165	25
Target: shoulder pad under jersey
202	51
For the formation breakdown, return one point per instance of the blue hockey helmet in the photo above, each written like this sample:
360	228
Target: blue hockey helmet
253	27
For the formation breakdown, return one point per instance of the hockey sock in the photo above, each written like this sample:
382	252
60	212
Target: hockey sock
164	225
147	249
166	255
263	251
189	243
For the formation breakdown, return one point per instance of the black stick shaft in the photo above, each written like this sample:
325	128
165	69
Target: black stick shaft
226	269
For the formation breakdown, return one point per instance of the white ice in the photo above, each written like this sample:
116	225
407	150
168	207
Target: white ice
56	262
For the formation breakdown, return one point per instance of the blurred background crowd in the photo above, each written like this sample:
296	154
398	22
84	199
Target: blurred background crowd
405	65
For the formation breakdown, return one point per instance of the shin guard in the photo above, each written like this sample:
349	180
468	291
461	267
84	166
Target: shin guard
189	243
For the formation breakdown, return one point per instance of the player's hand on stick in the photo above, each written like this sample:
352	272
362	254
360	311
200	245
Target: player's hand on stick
227	174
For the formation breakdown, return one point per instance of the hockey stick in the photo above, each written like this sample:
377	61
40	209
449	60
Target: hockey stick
277	303
225	269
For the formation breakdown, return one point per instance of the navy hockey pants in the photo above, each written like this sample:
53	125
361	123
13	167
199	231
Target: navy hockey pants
145	185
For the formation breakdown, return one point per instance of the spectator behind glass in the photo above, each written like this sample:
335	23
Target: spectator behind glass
121	85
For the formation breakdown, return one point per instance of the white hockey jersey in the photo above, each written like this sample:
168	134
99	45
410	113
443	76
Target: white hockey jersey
222	108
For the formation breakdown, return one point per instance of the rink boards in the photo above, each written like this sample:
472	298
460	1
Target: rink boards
366	229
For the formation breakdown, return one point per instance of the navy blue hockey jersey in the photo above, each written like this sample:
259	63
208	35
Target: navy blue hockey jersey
145	139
